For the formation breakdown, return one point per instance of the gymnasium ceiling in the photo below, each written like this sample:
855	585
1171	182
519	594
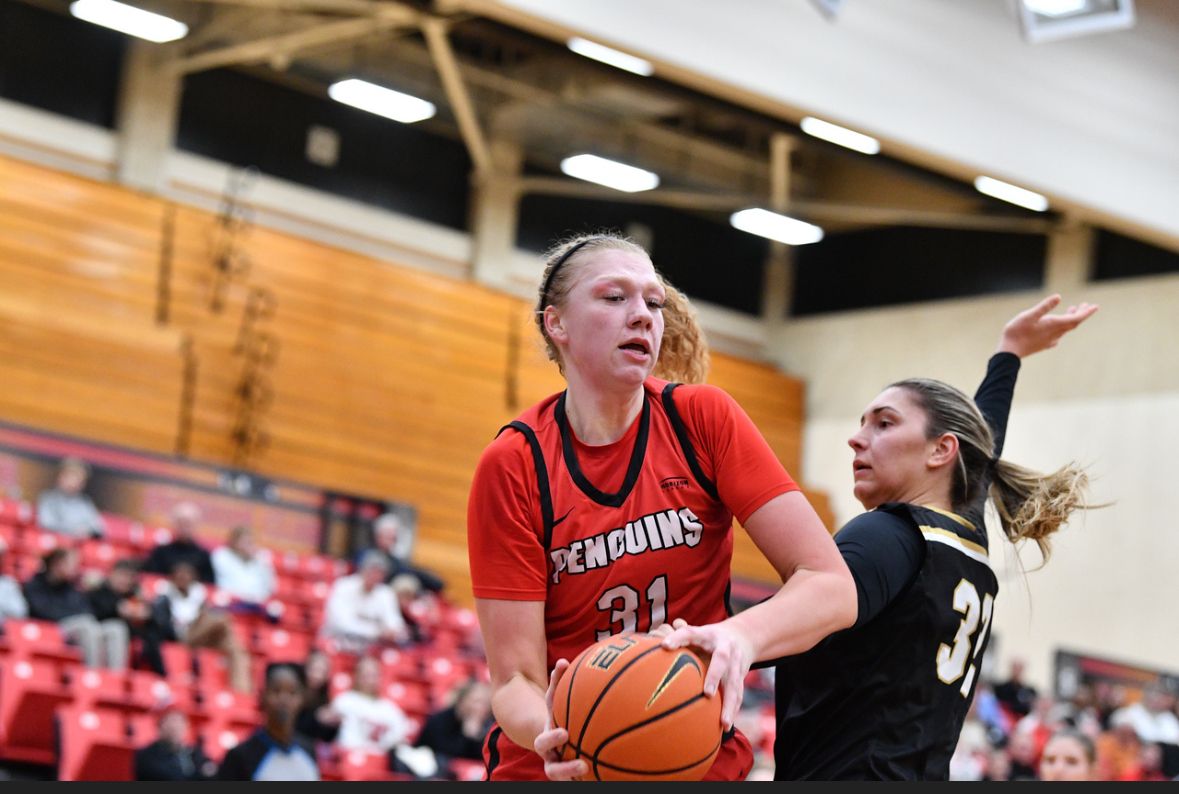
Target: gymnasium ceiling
500	73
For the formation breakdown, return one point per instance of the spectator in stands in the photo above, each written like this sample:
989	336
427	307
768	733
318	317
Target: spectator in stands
52	594
1119	749
118	597
1024	755
458	730
375	724
170	757
1016	695
12	600
1068	755
317	719
244	571
184	546
66	508
393	538
183	613
362	611
1152	716
419	607
276	751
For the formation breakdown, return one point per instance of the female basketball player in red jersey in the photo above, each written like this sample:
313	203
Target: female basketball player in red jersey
608	507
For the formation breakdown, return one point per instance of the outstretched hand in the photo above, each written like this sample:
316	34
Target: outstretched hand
1034	329
730	657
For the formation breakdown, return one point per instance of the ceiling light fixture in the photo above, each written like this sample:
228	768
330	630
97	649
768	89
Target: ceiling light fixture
776	226
1047	20
381	101
1005	191
610	173
129	19
841	136
608	55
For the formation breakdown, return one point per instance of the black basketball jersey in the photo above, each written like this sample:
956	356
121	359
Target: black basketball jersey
886	700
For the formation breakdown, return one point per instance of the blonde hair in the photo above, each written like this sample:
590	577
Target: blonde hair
683	355
1031	505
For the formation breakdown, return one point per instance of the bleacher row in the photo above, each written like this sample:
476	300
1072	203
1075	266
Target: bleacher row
86	723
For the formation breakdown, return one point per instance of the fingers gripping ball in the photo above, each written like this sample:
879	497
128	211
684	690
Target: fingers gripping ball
637	711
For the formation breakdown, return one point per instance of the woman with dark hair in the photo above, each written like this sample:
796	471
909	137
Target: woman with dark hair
887	698
276	751
1068	755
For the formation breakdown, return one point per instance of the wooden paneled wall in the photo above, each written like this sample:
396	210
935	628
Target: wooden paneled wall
385	380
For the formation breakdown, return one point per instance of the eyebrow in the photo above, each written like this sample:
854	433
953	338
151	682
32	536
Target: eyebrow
877	410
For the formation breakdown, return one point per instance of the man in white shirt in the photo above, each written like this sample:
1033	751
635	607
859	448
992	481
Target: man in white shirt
243	571
362	610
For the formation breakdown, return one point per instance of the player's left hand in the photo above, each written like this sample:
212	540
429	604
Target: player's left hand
549	742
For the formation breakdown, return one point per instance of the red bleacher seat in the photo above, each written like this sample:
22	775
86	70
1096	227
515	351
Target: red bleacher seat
150	692
179	663
16	512
31	689
95	744
41	638
281	645
101	688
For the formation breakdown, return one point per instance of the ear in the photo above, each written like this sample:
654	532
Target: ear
942	450
553	324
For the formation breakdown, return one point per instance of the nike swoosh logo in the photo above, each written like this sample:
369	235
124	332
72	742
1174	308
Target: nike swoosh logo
681	661
562	518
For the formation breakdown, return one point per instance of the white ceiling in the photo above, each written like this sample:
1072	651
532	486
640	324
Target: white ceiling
1091	121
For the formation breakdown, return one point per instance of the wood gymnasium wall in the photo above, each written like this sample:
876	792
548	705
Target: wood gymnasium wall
312	363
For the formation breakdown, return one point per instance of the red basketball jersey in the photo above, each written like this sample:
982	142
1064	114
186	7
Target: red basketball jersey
639	532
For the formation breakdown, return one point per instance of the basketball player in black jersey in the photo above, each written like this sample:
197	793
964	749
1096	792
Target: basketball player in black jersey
886	699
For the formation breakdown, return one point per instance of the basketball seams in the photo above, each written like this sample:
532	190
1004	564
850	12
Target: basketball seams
605	680
636	726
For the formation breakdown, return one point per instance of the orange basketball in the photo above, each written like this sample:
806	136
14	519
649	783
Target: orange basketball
637	711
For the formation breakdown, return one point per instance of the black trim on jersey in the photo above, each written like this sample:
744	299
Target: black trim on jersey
681	433
632	470
493	750
542	478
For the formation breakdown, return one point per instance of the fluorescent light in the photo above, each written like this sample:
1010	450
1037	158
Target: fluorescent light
610	173
840	135
1011	193
610	56
129	19
380	100
1055	8
775	226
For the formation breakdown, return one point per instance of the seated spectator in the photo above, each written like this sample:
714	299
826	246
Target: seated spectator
169	757
375	724
1068	755
52	594
317	719
362	611
1152	716
458	730
184	546
419	607
118	597
243	571
393	539
183	613
66	508
12	600
275	751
